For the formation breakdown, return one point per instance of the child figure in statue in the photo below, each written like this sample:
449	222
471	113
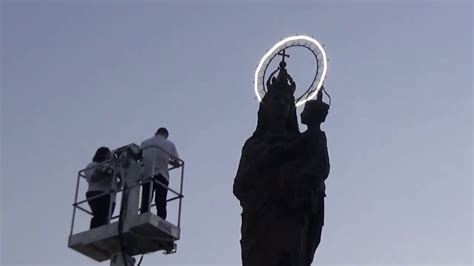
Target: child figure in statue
317	158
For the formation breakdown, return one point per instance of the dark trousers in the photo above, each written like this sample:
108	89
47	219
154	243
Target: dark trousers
100	208
160	196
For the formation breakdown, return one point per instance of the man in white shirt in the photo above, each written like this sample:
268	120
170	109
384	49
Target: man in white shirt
158	152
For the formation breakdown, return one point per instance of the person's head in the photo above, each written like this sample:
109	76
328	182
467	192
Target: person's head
162	132
102	154
314	112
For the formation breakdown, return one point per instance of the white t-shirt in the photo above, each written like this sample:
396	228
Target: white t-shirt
162	158
104	183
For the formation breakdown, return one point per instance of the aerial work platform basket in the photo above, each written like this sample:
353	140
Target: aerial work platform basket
128	233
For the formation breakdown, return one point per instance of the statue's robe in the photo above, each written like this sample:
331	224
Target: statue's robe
280	185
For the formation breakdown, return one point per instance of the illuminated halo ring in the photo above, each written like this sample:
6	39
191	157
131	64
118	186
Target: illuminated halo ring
300	40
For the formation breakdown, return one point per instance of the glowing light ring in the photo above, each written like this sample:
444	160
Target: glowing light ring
310	88
311	44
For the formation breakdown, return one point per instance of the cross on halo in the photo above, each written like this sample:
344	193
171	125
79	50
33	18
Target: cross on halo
283	55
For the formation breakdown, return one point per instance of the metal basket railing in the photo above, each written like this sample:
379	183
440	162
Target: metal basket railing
178	195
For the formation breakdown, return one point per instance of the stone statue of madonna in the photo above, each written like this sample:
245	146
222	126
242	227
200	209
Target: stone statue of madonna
280	180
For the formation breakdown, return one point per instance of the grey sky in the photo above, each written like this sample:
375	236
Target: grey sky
83	74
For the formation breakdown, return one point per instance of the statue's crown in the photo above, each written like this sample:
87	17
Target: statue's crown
318	103
283	82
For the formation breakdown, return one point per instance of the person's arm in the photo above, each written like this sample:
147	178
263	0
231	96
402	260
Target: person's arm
175	163
174	160
118	179
102	174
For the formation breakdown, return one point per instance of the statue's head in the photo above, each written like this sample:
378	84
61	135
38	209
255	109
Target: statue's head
278	104
315	111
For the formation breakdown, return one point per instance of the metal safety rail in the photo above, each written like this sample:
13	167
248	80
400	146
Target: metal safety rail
114	163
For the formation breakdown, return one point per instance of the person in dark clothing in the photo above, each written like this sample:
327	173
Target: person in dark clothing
102	187
160	192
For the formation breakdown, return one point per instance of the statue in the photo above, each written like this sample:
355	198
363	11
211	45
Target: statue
280	179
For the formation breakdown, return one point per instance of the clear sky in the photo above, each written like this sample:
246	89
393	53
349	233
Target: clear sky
82	74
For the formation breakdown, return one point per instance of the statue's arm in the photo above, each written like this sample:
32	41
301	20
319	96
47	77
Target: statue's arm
249	176
327	165
306	167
